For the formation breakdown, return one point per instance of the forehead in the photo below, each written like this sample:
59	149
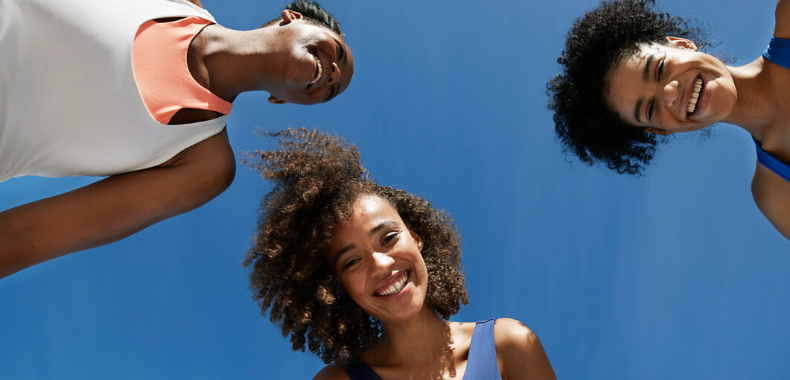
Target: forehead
309	26
369	211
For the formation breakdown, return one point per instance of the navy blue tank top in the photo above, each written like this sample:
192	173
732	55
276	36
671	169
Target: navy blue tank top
778	52
481	365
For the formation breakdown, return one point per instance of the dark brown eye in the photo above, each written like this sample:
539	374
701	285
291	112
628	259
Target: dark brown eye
650	110
350	263
389	238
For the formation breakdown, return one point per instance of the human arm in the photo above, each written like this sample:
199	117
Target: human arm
782	23
115	207
196	2
520	353
772	196
332	372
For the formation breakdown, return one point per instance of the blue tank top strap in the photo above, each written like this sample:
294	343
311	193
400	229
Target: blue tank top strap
778	52
772	163
359	370
482	364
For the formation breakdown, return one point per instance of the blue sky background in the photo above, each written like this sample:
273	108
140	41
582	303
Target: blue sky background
672	275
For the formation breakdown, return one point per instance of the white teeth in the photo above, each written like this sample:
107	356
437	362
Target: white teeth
395	288
320	71
694	96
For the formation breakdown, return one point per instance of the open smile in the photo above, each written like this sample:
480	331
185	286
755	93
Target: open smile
395	286
696	97
319	70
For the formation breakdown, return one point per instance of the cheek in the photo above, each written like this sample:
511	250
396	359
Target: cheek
354	285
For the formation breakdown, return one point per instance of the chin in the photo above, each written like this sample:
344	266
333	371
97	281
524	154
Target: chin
403	312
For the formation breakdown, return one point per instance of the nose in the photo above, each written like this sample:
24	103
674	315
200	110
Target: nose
669	93
381	263
334	74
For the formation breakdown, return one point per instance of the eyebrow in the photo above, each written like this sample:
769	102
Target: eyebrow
646	73
340	253
388	223
334	90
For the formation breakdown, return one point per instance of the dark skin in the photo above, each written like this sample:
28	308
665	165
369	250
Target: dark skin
225	62
769	190
368	253
520	355
759	102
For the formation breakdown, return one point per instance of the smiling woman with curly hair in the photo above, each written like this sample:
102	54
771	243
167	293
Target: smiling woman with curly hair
366	276
585	123
632	75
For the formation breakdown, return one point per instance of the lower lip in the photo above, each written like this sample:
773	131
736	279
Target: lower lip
399	295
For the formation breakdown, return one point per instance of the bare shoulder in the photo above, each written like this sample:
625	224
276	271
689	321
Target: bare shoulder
512	334
196	2
782	26
772	195
332	372
520	352
212	160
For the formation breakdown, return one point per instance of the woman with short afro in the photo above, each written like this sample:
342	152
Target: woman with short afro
138	91
632	75
365	276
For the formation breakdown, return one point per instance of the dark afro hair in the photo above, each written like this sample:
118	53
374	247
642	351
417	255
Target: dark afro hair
585	124
312	12
317	177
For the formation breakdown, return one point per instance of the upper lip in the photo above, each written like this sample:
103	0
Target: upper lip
389	281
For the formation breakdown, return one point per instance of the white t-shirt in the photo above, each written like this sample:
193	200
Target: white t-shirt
69	104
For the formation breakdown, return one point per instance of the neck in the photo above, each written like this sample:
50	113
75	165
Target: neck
424	339
755	107
237	61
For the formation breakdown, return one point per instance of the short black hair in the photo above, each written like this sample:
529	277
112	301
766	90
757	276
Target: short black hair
312	12
584	122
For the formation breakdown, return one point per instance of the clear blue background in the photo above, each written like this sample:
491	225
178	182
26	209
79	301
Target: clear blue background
672	275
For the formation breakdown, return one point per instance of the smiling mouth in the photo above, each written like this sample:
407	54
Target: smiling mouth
699	85
394	288
319	71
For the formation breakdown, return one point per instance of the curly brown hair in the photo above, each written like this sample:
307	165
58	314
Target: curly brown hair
585	123
317	177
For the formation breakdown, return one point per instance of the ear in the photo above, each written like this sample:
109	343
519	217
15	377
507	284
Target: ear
288	16
656	131
681	43
274	100
416	238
